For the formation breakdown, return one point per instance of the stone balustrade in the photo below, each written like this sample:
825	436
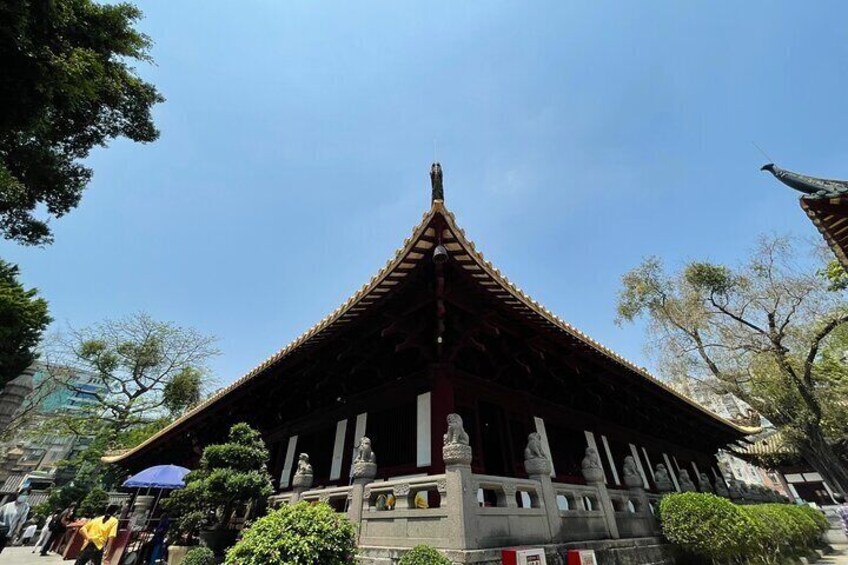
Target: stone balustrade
581	512
405	512
509	509
460	510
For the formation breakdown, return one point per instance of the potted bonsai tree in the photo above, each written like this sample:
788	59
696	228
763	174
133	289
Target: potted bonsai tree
232	478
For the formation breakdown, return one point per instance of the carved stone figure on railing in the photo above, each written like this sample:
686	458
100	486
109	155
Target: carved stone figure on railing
662	480
686	484
704	483
591	466
536	461
365	463
733	489
632	477
456	449
303	476
745	492
721	488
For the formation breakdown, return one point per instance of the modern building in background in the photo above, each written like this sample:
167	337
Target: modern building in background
29	459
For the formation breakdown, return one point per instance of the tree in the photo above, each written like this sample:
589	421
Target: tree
23	318
66	87
147	369
230	475
763	331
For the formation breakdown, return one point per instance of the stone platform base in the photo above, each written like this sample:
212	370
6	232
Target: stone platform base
637	551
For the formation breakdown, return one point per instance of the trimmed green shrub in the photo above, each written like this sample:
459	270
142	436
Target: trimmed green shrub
230	476
718	530
423	555
709	526
199	556
820	520
300	533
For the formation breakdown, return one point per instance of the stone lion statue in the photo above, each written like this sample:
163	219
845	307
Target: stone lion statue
704	483
591	460
364	453
686	484
456	433
303	466
534	448
630	468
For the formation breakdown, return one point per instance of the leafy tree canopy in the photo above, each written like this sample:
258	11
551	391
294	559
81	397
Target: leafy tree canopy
23	318
67	86
772	332
148	370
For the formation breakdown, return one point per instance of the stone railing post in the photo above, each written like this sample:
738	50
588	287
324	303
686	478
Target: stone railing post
636	485
363	470
594	475
461	495
686	484
303	478
734	491
538	467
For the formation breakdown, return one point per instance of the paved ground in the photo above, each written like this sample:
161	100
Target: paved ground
840	559
23	556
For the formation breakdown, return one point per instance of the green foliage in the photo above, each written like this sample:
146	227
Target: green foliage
149	369
61	498
23	318
229	475
423	555
41	511
94	503
300	533
716	529
770	331
708	526
67	86
836	276
183	390
713	279
199	556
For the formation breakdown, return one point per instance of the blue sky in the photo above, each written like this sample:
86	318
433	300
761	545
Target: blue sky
576	138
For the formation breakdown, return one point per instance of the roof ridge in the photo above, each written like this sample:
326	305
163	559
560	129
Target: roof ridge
437	208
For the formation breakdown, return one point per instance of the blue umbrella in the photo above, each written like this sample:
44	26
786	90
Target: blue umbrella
160	476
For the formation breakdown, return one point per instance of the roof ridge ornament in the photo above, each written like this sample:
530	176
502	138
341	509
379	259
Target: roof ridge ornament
813	187
436	182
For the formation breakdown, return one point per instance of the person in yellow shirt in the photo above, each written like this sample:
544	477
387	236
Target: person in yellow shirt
98	534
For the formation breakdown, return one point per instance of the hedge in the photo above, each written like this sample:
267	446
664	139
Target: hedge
423	555
307	534
714	528
199	556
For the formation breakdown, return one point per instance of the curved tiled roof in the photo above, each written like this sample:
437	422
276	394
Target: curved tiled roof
464	252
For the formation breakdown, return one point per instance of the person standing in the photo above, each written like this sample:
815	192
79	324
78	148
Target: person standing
30	528
98	535
45	533
12	515
58	526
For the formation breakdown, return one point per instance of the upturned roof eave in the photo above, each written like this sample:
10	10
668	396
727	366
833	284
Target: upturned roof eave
365	296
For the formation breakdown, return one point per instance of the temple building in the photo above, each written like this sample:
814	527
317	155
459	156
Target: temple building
489	420
826	203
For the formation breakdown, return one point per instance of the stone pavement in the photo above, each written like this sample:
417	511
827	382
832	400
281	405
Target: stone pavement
839	558
24	556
